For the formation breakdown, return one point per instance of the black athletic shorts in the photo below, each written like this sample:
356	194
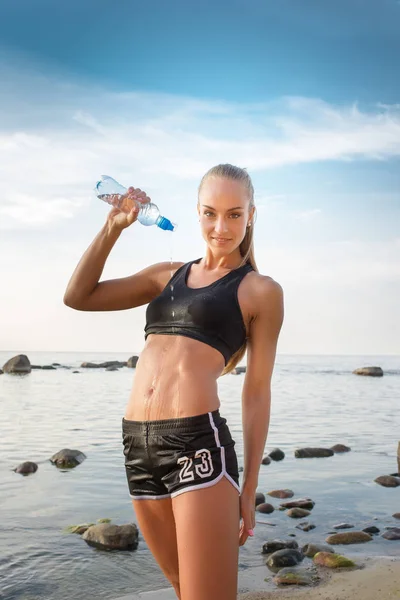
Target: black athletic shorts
168	457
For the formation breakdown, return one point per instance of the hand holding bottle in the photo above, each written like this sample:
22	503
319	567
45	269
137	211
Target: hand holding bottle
127	209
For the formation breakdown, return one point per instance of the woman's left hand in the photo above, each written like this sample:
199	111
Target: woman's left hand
247	515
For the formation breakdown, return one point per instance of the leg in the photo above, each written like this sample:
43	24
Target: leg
157	525
207	527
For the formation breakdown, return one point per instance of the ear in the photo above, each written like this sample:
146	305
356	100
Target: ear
198	209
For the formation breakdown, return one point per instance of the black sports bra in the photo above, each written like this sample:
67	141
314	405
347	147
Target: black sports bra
210	314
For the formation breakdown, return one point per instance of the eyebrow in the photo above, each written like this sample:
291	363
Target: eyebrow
229	209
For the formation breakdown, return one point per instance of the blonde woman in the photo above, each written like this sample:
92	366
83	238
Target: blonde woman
180	460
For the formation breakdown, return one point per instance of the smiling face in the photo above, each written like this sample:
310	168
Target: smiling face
224	211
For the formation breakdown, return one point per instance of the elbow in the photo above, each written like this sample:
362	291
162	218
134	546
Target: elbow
71	302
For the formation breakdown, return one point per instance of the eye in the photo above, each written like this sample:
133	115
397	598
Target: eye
236	215
208	213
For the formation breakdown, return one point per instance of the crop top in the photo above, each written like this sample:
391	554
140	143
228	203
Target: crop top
210	314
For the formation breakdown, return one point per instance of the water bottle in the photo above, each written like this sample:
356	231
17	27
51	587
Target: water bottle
111	191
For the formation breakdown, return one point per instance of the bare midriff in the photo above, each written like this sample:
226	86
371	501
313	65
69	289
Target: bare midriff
175	377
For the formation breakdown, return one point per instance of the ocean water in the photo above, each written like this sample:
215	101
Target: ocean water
317	401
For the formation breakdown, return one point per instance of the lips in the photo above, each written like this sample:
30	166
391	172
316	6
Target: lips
221	239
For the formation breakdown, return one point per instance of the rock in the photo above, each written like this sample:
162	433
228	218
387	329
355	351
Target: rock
33	367
333	561
76	371
299	503
49	368
26	468
298	513
240	469
392	534
371	371
311	550
305	526
112	369
56	364
238	370
104	520
113	537
293	576
79	529
260	498
287	557
388	481
103	365
281	493
313	452
343	526
1	371
277	454
67	459
17	365
337	448
265	508
371	530
396	515
266	460
273	545
132	361
350	537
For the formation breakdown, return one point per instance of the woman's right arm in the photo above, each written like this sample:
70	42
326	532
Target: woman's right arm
85	292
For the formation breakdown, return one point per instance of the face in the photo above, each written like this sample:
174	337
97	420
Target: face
224	211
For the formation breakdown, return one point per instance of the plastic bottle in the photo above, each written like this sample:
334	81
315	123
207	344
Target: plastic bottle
111	191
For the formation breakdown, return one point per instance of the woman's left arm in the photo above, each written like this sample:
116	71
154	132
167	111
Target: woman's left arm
256	398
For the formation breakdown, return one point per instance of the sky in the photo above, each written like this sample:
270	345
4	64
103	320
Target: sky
304	95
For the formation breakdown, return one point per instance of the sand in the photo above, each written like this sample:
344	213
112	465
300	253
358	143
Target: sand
377	579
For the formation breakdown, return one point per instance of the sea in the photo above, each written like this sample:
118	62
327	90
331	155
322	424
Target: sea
316	401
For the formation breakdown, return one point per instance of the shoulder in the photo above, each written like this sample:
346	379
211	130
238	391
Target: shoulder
162	272
263	288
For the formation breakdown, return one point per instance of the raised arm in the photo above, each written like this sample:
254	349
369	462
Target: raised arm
256	396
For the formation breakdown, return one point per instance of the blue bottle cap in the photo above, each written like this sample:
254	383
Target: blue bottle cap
165	224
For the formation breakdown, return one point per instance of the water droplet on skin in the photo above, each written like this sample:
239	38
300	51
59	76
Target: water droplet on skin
173	314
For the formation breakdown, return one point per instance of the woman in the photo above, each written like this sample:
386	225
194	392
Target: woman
179	455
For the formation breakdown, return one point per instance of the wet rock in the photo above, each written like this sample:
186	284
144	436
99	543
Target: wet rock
392	534
274	545
26	468
113	537
396	515
265	508
48	368
266	460
343	526
17	365
260	498
103	365
371	530
56	364
284	558
388	481
370	371
299	503
67	459
276	454
76	371
333	561
293	576
132	361
313	452
350	537
305	526
338	448
298	513
238	370
311	550
112	369
281	493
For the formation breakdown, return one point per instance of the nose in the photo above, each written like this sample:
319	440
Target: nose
220	225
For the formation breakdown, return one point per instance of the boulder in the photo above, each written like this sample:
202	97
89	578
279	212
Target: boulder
281	493
287	557
388	481
79	529
18	365
338	448
274	545
343	526
396	515
277	454
305	526
392	534
67	459
350	537
265	507
260	498
49	368
112	369
371	530
299	503
112	537
311	550
313	452
333	561
298	513
26	468
370	371
266	460
132	361
103	365
293	576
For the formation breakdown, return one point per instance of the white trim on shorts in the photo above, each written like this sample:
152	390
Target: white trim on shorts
191	488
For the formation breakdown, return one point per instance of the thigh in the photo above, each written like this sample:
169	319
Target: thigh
157	524
207	527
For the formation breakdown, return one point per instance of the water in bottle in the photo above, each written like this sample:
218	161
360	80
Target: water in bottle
111	191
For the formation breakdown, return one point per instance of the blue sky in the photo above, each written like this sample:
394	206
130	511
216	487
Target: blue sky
306	95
